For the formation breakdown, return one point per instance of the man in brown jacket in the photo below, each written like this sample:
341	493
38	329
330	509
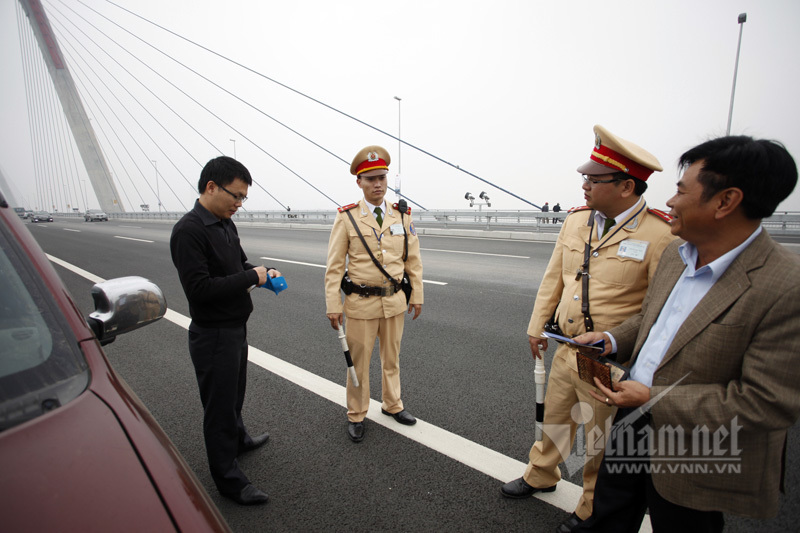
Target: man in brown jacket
713	354
375	307
605	256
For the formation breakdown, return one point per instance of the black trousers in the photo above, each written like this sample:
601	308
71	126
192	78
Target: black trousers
219	356
624	488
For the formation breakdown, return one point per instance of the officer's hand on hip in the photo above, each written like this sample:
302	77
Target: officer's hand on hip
417	310
538	346
336	319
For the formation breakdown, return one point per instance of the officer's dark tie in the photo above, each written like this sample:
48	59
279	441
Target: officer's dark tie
379	216
607	226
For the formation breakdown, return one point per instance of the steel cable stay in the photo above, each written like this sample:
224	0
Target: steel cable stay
99	126
37	172
46	197
31	132
76	53
37	126
102	132
142	85
50	109
62	137
73	163
244	102
61	150
160	100
44	82
127	131
134	78
83	80
240	65
221	120
52	140
237	131
74	168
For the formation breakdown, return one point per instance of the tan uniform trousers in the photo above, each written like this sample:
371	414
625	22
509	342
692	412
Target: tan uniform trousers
567	404
361	334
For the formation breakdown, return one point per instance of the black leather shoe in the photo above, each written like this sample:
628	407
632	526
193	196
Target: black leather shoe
249	496
567	525
355	430
255	442
518	489
404	417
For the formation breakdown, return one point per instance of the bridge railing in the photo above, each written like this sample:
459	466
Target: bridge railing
524	220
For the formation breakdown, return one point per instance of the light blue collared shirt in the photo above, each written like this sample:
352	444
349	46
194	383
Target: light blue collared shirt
692	286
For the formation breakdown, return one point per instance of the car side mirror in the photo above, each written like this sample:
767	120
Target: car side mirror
123	305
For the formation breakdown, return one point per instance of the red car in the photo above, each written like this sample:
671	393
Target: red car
78	450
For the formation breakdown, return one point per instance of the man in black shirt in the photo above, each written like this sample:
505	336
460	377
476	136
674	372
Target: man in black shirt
216	276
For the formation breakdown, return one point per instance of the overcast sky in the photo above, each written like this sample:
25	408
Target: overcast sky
507	90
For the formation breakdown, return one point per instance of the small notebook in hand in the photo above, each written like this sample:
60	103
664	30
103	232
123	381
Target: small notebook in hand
607	371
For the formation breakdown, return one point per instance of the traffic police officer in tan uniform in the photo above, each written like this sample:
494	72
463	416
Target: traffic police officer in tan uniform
375	307
626	240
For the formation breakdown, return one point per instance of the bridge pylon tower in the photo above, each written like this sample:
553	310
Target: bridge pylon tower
85	139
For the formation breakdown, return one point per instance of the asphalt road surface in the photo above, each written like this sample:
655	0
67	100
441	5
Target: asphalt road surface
467	375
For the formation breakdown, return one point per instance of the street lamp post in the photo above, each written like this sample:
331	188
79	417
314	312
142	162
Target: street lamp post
742	20
399	146
234	147
158	194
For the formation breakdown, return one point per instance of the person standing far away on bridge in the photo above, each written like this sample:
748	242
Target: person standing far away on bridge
216	276
556	209
374	305
604	258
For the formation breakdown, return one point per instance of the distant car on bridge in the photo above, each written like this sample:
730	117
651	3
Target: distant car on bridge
95	214
41	216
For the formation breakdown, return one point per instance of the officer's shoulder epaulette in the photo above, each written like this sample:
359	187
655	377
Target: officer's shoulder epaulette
579	208
660	214
347	207
397	208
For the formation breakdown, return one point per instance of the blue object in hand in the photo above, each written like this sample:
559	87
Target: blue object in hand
276	285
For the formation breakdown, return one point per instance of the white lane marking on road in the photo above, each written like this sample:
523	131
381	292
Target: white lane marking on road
134	227
465	451
292	262
73	230
131	239
323	266
475	253
79	271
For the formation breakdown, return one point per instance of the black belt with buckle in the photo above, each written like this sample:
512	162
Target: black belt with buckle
363	290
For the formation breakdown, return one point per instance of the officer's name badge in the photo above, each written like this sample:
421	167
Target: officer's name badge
633	249
396	229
